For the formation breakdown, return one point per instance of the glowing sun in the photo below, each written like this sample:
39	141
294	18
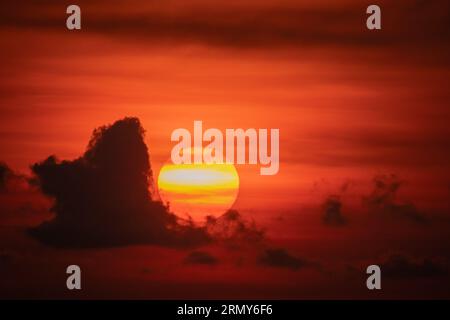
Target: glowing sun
198	189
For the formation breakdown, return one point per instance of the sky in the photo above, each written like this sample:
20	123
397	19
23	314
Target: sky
364	140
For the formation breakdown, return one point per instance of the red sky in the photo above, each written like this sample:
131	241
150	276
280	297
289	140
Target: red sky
350	104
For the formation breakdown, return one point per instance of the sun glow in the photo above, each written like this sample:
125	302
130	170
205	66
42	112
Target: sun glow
198	190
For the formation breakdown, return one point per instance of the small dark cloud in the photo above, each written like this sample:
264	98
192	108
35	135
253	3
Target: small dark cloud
330	209
5	173
331	212
402	266
102	199
234	230
200	257
238	233
280	258
383	200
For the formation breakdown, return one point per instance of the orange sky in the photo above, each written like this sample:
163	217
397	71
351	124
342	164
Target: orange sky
349	103
344	105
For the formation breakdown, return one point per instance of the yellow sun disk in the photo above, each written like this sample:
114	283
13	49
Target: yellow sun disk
198	189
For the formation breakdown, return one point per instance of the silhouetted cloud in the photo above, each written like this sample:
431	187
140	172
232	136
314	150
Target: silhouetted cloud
21	203
200	257
280	258
234	230
382	200
401	266
331	214
5	173
238	233
102	199
10	180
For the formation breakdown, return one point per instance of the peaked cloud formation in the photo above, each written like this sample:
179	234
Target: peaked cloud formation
102	199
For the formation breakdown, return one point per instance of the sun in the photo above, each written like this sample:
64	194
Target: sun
198	190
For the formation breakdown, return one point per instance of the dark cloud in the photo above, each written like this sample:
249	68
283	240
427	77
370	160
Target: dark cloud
382	200
233	230
331	212
246	25
102	199
200	257
401	266
21	203
5	173
280	258
10	180
243	236
331	208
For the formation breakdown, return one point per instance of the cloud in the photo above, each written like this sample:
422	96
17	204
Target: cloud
5	173
382	200
243	236
253	24
331	212
102	198
331	207
233	230
280	258
200	257
21	203
402	266
11	181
